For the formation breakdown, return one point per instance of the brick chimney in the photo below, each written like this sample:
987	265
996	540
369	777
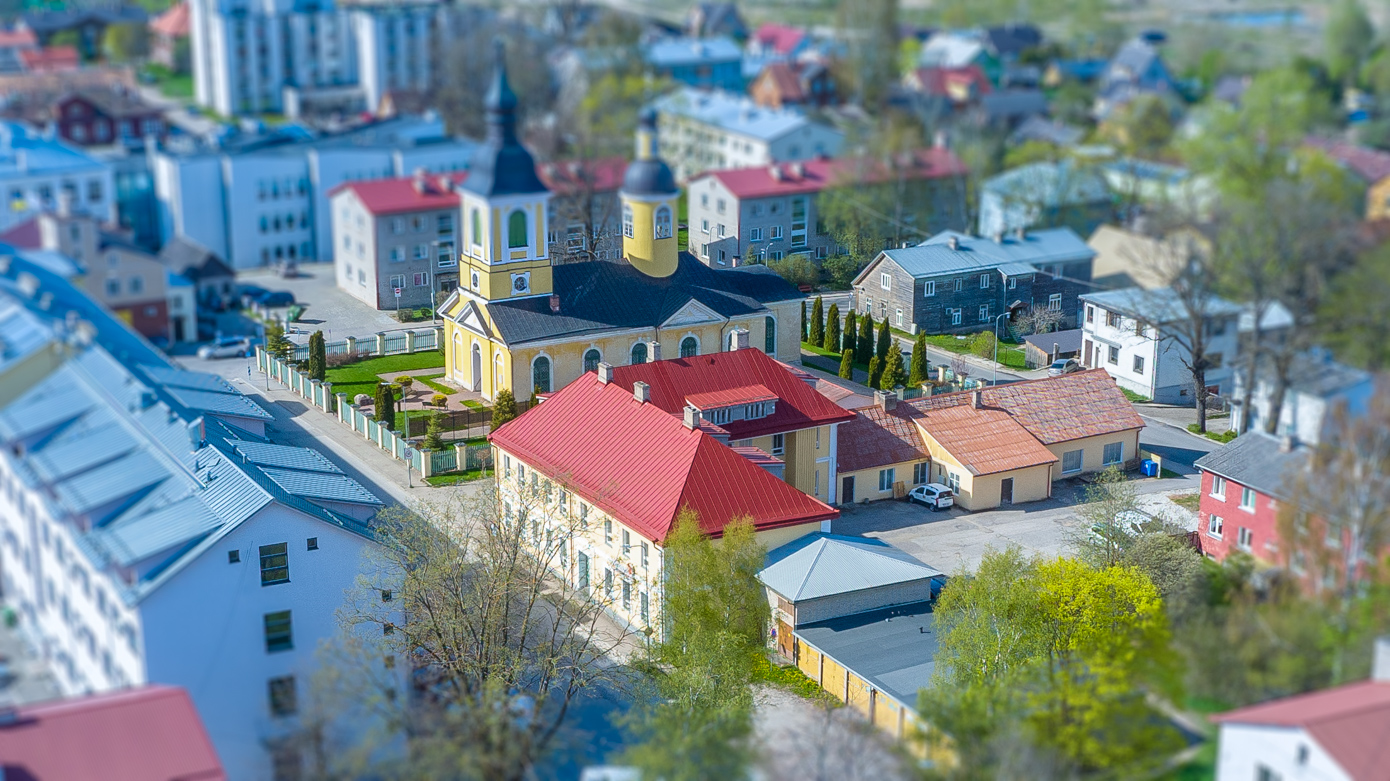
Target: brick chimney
654	350
641	391
554	303
691	417
885	400
977	399
605	372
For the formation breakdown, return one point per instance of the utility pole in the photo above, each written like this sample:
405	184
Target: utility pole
994	368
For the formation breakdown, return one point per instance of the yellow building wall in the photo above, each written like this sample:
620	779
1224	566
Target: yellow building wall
866	480
808	659
860	694
1093	451
804	449
1378	200
1030	485
886	716
776	538
834	679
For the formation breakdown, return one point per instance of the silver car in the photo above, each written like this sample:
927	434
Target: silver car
226	347
1062	366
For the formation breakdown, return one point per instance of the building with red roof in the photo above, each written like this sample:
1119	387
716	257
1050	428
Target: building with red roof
150	733
607	463
1371	166
803	83
770	212
1339	734
167	30
777	40
12	42
50	59
959	86
399	234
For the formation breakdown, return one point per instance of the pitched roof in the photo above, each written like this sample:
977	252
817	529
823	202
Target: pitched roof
598	296
725	379
603	175
1054	409
1351	722
1014	103
985	441
822	565
733	112
810	176
640	464
1012	38
17	38
951	49
1049	184
960	84
669	52
173	22
150	732
187	257
50	58
1052	131
1157	305
1257	460
876	438
784	77
1371	165
1012	255
1068	341
405	194
779	38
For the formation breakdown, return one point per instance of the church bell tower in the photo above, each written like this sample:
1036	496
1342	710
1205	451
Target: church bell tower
649	195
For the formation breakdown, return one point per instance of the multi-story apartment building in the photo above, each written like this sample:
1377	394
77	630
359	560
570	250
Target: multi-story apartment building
711	130
955	283
150	533
769	212
35	170
1242	486
299	57
265	199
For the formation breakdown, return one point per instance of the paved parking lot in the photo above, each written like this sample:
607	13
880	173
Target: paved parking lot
329	309
955	540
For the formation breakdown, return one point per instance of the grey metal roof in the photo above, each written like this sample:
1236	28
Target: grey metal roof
1256	459
1155	305
893	648
1050	185
110	482
177	523
21	334
321	485
231	404
38	413
1011	255
58	460
182	378
1068	341
283	456
822	565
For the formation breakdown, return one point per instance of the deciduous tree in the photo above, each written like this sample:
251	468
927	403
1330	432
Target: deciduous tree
1348	39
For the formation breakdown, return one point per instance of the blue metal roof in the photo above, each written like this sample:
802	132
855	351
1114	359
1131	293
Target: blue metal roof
110	482
77	454
231	404
21	334
1157	305
38	413
733	112
1012	256
284	456
672	52
173	524
182	378
320	485
28	154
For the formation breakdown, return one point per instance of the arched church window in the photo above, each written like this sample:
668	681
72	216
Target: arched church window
690	347
639	353
540	375
516	230
591	359
663	222
770	336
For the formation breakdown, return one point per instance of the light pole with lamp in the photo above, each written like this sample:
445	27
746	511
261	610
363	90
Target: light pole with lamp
994	368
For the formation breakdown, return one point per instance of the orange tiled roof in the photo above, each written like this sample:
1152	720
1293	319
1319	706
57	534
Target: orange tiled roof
1056	409
877	438
985	441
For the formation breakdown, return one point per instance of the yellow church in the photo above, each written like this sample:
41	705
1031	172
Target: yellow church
519	323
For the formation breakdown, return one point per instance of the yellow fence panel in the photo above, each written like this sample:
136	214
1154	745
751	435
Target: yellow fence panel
809	662
834	679
859	694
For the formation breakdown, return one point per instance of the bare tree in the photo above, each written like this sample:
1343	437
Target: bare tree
1037	320
1346	491
463	82
585	211
477	604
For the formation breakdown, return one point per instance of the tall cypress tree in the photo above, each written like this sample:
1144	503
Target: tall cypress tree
850	333
385	405
918	374
318	357
864	348
818	322
804	335
893	372
875	371
847	364
832	329
885	340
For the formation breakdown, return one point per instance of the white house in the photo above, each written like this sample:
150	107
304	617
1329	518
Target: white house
1131	333
36	171
706	130
264	199
1338	734
150	534
1318	387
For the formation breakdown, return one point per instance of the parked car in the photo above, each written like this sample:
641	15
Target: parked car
226	347
933	495
1128	524
1062	366
277	298
249	294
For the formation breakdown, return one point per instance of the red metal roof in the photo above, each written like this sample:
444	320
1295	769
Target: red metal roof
152	733
958	84
395	196
1371	165
1352	723
780	38
746	394
672	382
173	22
813	176
50	59
25	235
22	38
640	464
568	176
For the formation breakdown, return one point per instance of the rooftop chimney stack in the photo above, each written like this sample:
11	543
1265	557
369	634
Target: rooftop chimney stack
1286	445
1380	667
641	391
691	416
605	372
740	339
885	400
953	243
654	350
554	303
419	182
977	399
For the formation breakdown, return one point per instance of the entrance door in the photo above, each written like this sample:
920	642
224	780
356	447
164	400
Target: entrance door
847	490
1006	491
477	375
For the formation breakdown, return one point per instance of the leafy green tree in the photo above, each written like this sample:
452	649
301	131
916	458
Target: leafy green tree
875	371
1348	39
1143	127
1062	650
503	409
818	322
384	409
864	347
276	343
1354	330
832	329
433	434
885	339
318	356
798	270
126	42
1030	152
847	364
842	269
1111	505
982	344
918	373
893	372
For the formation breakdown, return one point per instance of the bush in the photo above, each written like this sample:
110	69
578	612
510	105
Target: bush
345	359
439	400
797	269
983	344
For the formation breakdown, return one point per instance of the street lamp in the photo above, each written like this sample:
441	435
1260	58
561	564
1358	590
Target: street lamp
994	369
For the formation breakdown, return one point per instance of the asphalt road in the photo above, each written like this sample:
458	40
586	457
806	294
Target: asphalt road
1178	448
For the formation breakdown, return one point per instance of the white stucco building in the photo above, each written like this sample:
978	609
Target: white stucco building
36	171
1319	385
150	534
259	200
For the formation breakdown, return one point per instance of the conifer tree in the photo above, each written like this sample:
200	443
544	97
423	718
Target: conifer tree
875	371
503	408
433	438
885	338
832	329
385	405
818	322
864	348
804	335
847	364
893	372
318	357
918	373
850	332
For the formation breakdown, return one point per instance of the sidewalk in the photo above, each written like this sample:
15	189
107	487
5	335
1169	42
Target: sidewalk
1181	417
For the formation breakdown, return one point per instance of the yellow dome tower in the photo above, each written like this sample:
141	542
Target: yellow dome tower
649	197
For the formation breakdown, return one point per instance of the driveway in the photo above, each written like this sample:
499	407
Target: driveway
328	308
955	540
1178	448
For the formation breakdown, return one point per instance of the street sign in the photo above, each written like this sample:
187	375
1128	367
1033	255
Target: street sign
398	292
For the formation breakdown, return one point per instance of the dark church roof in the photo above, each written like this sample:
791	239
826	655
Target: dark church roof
649	175
502	166
602	296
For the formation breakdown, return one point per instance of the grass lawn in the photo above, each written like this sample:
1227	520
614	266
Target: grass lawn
1222	438
173	85
1187	501
453	478
1009	355
791	679
1134	398
428	380
683	232
1201	767
361	377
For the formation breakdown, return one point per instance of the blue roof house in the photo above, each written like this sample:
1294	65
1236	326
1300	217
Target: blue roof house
1045	194
707	63
38	171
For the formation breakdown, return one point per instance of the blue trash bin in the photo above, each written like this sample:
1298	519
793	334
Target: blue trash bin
1149	467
